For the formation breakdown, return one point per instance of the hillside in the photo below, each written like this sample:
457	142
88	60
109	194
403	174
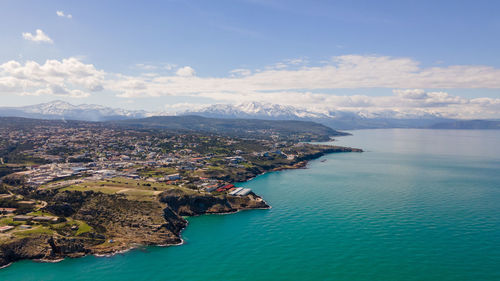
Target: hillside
63	110
336	119
244	128
298	130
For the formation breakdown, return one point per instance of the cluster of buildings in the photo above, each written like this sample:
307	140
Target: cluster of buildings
26	221
73	153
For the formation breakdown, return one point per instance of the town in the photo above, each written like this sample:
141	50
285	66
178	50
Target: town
110	187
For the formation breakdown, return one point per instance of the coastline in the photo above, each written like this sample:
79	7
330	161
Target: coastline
298	165
118	249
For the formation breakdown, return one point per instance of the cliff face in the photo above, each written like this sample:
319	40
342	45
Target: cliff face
42	247
131	222
114	223
117	223
192	205
26	248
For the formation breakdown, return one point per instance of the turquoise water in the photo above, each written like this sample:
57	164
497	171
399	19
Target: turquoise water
417	205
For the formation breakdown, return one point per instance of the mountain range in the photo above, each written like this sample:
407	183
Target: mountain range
341	120
63	110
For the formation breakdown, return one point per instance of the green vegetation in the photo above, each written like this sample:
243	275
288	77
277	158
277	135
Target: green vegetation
157	172
39	213
93	209
107	190
9	221
246	128
34	231
83	228
134	189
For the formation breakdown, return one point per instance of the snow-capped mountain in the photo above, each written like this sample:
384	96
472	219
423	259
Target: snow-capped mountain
336	119
257	110
64	110
341	120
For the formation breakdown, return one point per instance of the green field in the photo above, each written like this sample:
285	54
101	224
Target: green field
133	189
35	230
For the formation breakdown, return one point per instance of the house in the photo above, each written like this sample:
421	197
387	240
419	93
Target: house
244	192
240	192
225	187
5	228
45	219
26	203
211	188
228	186
133	176
173	177
22	218
235	191
5	211
124	157
79	169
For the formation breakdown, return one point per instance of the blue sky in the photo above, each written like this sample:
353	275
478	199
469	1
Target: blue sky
124	40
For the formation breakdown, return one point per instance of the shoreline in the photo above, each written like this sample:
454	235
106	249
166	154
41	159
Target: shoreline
299	165
302	164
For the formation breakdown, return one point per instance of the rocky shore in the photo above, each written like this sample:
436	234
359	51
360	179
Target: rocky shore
118	223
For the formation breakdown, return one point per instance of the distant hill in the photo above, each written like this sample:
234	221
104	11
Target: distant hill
244	128
66	111
300	130
336	119
340	120
468	125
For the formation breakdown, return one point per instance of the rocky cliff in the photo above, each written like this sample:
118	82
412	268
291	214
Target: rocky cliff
194	204
116	223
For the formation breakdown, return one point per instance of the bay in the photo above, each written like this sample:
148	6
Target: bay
417	205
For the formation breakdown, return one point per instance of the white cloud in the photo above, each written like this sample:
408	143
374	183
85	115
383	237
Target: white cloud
38	37
240	72
62	14
68	77
351	71
185	71
169	66
159	67
58	90
435	103
305	86
144	66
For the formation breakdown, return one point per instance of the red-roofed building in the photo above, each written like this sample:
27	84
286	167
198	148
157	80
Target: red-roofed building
228	186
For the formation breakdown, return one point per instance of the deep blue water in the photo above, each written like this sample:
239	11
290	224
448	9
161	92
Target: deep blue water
417	205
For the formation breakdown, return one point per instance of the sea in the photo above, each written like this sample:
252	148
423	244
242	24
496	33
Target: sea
415	205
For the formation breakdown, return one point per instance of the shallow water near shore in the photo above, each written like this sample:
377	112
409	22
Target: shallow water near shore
417	205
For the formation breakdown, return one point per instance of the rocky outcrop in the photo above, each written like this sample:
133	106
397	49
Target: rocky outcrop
44	247
26	248
199	204
118	223
131	222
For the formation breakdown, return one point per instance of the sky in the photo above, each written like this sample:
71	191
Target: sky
415	57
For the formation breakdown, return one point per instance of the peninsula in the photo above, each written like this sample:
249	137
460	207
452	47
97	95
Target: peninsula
71	189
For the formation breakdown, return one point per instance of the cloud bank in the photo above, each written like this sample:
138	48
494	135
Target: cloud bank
69	77
291	82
